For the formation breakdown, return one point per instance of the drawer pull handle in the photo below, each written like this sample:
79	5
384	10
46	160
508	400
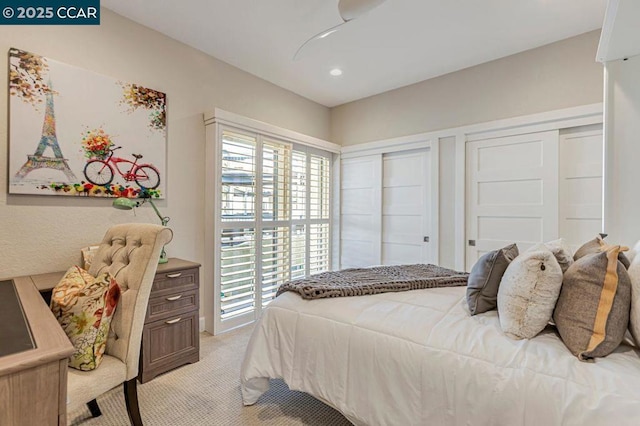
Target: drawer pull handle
173	321
174	298
174	275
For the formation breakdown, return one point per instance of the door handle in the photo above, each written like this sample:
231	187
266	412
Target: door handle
173	321
174	298
425	239
174	275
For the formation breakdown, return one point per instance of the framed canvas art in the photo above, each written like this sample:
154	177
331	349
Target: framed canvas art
79	133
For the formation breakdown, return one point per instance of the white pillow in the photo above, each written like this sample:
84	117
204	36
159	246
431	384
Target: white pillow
634	318
634	275
631	254
528	293
560	250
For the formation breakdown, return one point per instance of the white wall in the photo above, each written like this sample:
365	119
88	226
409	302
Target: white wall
622	151
560	75
446	205
45	233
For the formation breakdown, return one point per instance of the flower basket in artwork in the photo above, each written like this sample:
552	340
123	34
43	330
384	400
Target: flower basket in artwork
96	144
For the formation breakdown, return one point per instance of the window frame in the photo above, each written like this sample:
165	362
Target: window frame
215	224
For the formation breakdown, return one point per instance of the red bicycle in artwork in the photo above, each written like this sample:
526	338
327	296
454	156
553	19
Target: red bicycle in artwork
101	171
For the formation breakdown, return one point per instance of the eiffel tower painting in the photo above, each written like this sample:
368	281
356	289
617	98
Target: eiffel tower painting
54	134
48	140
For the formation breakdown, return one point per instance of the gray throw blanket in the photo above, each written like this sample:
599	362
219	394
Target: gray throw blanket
379	279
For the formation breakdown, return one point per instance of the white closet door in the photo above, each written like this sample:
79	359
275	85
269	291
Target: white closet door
406	207
512	192
361	211
580	185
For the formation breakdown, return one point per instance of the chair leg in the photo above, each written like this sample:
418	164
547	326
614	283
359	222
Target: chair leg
94	408
131	399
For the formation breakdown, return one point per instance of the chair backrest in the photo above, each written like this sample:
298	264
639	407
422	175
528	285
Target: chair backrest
130	252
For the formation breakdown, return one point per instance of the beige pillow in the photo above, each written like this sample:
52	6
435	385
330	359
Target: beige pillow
484	279
528	293
87	256
592	313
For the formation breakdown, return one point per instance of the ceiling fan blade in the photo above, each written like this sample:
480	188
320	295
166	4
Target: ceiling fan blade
351	9
318	36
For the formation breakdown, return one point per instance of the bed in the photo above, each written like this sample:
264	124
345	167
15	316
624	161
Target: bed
419	358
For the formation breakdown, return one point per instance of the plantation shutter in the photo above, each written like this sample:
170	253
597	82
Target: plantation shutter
299	214
274	220
238	242
320	182
276	210
319	235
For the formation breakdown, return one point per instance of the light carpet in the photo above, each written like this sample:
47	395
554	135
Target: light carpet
208	393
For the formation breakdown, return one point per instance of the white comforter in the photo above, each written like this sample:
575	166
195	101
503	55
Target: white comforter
418	358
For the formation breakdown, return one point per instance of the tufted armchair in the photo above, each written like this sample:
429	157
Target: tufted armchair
130	252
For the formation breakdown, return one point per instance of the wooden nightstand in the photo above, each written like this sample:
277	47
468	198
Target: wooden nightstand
170	337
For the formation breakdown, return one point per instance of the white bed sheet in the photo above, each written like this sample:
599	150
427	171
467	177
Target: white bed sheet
419	358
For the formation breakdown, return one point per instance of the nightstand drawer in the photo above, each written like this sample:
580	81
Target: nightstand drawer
167	283
171	305
169	343
171	327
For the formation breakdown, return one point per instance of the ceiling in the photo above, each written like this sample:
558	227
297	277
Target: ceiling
398	43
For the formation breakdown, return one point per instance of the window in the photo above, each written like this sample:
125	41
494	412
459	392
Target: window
274	220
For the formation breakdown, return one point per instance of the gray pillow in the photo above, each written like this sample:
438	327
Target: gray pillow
592	313
484	280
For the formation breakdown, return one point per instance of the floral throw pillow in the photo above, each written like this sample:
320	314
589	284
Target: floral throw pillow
84	306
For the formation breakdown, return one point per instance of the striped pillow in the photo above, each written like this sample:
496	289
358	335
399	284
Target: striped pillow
592	313
596	246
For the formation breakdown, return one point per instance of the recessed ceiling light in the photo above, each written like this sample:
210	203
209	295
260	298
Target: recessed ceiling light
335	72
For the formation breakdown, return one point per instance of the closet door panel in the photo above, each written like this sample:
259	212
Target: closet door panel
580	184
385	214
406	207
512	192
360	211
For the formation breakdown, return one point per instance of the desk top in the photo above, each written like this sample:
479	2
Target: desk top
46	282
50	340
15	335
